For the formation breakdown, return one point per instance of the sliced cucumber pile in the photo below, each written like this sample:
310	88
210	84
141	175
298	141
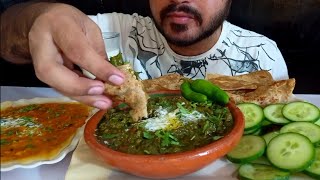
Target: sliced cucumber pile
287	135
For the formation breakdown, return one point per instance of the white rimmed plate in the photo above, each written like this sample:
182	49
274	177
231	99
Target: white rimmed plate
73	144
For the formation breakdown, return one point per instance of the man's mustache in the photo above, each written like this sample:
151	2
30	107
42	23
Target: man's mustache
181	8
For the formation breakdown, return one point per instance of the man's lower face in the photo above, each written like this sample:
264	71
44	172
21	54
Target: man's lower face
183	25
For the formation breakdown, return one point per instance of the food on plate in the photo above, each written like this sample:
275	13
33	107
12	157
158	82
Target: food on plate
301	111
277	92
131	92
256	87
291	152
167	165
212	91
310	130
173	125
249	148
38	129
291	144
314	169
273	113
201	90
163	83
188	93
241	82
253	115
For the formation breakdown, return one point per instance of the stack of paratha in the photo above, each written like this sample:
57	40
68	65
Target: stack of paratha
257	87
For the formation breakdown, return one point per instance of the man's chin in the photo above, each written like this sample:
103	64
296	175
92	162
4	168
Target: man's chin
180	41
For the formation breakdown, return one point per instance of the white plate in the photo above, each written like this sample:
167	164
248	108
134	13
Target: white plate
64	152
59	157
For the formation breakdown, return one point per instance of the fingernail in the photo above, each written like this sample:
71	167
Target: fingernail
101	104
96	90
115	79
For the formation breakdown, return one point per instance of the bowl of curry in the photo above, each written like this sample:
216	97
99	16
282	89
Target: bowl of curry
179	137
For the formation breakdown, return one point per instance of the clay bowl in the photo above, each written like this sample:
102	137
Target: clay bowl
169	165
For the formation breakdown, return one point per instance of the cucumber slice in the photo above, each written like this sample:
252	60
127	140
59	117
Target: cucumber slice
317	122
258	132
265	122
267	137
273	113
262	172
301	111
307	129
314	169
290	151
249	148
252	131
261	160
253	115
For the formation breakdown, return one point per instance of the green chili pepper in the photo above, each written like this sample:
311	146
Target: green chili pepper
190	95
212	91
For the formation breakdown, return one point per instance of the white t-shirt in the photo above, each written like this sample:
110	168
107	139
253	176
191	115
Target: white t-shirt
238	51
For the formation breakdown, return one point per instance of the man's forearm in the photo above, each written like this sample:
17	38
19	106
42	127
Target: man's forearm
16	22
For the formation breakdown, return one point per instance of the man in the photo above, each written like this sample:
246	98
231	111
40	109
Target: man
190	37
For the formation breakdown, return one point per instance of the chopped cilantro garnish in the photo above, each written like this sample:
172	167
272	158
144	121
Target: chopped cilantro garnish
182	109
109	136
4	142
147	135
166	138
29	108
30	146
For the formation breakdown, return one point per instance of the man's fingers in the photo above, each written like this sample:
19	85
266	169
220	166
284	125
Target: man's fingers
49	67
76	47
94	35
68	82
98	101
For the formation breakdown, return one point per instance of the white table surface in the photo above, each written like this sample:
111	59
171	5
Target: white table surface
57	171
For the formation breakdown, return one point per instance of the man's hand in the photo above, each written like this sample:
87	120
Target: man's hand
62	37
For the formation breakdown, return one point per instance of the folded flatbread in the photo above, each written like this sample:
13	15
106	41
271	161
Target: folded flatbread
277	92
166	82
247	81
131	92
256	87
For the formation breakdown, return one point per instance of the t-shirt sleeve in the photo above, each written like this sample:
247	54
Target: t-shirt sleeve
279	69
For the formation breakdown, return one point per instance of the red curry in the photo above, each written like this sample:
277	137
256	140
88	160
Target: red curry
39	131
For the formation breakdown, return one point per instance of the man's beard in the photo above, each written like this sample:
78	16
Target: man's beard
205	32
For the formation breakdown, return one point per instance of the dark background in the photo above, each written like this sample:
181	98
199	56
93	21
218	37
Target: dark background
293	24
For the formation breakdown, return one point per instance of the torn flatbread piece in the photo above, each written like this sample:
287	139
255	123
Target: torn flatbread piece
246	81
166	82
130	92
277	92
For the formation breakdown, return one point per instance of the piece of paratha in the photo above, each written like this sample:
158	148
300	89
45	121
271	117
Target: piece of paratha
277	92
166	82
257	87
247	81
131	92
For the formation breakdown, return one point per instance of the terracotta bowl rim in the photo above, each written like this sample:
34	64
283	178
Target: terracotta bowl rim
91	139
